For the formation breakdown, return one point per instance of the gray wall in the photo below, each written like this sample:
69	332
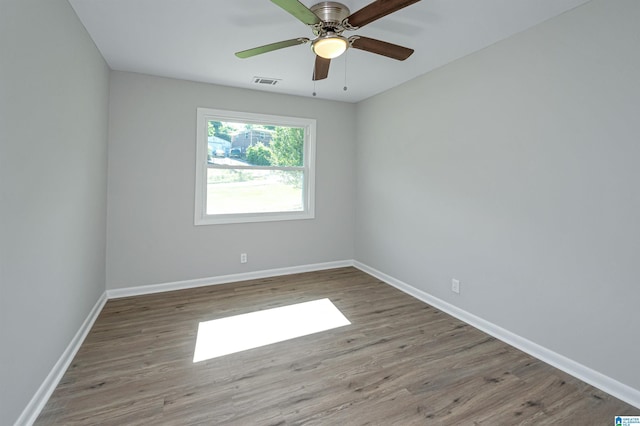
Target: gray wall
515	170
151	236
53	162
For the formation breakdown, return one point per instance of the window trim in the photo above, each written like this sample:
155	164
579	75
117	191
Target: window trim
308	190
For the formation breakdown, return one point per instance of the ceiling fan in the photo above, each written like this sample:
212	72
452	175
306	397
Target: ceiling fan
328	20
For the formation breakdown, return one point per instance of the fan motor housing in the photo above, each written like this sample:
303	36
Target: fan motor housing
331	13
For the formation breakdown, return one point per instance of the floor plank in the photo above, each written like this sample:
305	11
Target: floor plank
399	362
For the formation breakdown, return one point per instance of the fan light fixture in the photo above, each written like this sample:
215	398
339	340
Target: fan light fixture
327	21
330	46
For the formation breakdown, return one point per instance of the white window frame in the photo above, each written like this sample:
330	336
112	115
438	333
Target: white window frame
204	115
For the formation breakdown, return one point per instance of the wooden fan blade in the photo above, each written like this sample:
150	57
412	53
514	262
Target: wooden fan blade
299	11
321	68
376	10
271	47
379	47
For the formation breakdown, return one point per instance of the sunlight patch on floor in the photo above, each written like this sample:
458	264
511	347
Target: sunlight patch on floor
247	331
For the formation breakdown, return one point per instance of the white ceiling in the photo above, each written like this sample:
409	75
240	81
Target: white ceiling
196	40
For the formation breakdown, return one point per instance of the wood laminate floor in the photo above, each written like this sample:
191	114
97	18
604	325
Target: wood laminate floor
400	362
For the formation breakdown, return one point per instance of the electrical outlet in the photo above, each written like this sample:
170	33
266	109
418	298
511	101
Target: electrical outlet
243	257
455	286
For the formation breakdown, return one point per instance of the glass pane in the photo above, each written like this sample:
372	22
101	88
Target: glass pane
236	191
254	144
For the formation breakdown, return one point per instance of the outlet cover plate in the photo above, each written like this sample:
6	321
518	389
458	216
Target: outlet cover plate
455	286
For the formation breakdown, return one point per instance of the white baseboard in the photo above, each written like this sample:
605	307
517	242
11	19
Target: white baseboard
40	398
584	373
223	279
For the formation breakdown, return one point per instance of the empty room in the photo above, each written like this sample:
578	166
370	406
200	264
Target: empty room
265	212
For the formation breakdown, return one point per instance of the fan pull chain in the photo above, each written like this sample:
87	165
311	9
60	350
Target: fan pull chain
314	87
345	72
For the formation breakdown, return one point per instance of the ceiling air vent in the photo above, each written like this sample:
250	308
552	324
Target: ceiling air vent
266	80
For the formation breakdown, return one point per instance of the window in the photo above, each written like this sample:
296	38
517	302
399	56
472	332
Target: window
253	167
